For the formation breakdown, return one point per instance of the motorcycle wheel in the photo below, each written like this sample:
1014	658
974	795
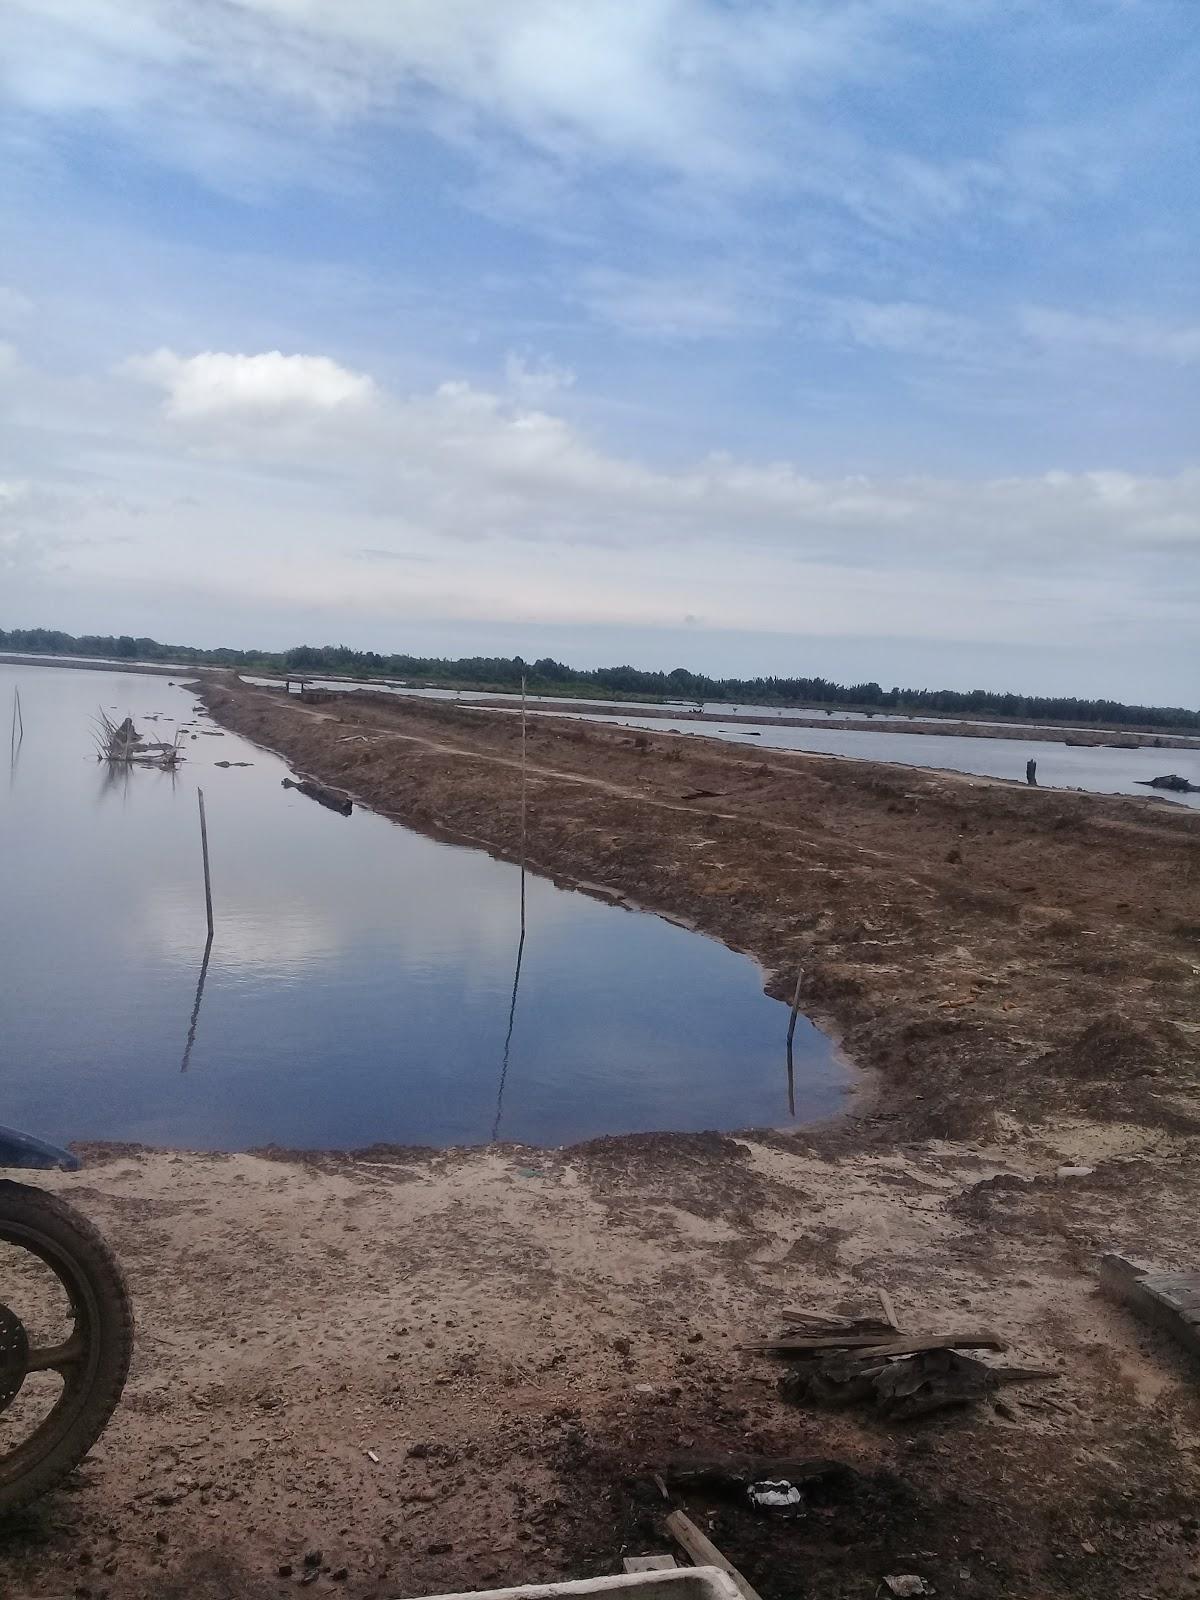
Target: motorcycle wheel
92	1361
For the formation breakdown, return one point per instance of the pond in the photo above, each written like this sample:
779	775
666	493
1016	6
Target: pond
361	981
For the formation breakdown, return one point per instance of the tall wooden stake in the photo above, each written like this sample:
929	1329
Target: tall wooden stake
791	1033
523	791
204	851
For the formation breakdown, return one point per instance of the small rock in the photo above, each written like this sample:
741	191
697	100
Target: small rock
312	1558
622	1346
418	1452
1074	1172
340	1574
906	1583
441	1547
284	1569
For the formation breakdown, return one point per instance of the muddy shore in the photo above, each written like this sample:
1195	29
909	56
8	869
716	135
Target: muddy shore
448	1370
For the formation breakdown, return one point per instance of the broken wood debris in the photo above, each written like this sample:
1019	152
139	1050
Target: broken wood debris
884	1343
704	1553
859	1360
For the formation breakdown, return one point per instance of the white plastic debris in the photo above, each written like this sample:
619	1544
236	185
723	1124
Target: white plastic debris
773	1494
1074	1172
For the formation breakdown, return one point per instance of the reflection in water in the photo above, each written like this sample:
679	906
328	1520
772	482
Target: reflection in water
341	1023
191	1037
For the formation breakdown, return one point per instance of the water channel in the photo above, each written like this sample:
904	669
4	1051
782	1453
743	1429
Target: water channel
360	986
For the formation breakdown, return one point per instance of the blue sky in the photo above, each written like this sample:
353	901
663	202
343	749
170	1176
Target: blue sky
856	338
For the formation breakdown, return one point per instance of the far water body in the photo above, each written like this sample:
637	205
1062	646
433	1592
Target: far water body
361	978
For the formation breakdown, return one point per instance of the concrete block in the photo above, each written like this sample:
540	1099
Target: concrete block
1169	1300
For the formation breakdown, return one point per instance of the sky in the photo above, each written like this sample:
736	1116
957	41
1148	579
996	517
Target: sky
845	337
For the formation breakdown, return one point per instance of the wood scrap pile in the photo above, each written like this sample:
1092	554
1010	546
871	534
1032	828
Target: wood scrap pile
844	1361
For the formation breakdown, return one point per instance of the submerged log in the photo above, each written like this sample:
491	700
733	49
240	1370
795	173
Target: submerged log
334	799
1170	780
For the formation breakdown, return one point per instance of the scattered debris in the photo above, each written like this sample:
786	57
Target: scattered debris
233	763
905	1584
122	745
863	1362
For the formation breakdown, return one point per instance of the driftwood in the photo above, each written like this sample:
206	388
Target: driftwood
334	799
1170	780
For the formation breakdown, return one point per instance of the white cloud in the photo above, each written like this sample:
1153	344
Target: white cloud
216	384
462	462
700	306
1148	338
900	326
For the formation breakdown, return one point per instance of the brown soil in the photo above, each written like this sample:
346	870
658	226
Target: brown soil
522	1337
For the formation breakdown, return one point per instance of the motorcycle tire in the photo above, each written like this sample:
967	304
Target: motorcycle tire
102	1340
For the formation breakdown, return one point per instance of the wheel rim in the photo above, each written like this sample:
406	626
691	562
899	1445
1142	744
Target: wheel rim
75	1359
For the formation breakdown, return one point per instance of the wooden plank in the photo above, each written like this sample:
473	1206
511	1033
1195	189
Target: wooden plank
649	1563
889	1309
879	1344
704	1552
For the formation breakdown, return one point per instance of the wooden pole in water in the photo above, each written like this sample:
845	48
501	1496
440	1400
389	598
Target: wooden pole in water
791	1033
18	721
523	792
204	852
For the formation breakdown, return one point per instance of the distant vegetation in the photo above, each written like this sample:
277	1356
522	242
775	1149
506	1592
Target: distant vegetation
548	676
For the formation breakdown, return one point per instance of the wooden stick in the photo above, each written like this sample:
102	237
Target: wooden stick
889	1309
795	1008
704	1552
204	852
880	1344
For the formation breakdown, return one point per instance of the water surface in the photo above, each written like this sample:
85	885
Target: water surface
361	978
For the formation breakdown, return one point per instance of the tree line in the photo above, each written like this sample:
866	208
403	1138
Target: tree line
546	676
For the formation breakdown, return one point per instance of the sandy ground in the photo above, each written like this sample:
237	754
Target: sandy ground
522	1337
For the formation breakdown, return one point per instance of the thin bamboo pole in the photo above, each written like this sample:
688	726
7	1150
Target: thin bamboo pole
791	1033
204	851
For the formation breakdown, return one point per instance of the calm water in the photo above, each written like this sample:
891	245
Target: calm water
360	982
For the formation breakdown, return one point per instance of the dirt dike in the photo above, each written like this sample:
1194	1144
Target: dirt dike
957	935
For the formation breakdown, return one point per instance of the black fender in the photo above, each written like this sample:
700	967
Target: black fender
23	1150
